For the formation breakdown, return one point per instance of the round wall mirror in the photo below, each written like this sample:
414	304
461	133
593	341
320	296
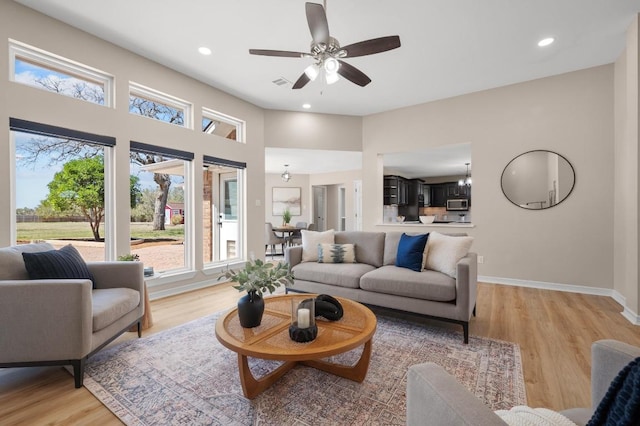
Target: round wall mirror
538	180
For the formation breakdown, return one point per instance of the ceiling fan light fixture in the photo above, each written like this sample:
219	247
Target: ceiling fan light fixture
331	65
331	77
312	71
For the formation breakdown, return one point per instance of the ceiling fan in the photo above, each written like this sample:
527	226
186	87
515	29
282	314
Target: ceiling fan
327	53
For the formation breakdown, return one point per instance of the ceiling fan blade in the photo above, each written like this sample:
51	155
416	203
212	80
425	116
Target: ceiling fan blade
302	81
318	25
283	53
353	74
369	47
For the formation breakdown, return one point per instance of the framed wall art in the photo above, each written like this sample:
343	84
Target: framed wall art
286	197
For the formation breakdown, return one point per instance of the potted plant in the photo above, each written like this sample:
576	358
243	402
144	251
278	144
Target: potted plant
286	216
255	278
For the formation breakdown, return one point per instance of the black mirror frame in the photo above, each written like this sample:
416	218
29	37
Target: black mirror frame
528	152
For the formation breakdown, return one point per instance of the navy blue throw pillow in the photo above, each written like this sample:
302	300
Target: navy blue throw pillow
65	263
410	251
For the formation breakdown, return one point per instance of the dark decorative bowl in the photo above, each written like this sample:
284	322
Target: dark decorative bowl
302	335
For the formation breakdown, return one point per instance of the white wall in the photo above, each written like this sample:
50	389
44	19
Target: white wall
571	114
627	180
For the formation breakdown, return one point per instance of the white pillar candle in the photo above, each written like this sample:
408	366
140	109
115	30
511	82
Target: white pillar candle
303	318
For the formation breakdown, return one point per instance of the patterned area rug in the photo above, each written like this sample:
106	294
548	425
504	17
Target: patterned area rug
183	376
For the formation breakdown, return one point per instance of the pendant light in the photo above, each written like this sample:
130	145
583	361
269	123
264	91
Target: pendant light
286	176
467	179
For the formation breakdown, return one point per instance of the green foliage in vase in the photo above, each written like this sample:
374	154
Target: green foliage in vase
257	276
286	216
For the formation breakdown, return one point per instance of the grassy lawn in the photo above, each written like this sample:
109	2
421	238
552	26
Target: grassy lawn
28	231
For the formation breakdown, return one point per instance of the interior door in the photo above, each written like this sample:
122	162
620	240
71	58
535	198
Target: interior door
320	207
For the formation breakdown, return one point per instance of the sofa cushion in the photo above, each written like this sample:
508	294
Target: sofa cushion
111	304
339	274
427	285
336	253
369	245
310	241
410	251
65	263
443	252
11	262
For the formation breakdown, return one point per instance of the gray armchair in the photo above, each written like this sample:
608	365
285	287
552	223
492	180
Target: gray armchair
64	321
435	395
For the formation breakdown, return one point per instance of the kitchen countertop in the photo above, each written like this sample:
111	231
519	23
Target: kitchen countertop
429	225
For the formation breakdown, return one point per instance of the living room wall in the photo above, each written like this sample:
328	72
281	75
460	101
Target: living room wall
23	24
572	114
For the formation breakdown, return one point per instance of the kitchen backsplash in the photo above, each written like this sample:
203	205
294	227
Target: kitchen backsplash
441	213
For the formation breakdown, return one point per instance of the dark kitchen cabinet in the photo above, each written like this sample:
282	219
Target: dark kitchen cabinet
456	191
438	195
396	190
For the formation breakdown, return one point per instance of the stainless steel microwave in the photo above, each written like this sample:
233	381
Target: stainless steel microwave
458	204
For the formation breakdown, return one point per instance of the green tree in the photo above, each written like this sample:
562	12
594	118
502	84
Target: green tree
80	185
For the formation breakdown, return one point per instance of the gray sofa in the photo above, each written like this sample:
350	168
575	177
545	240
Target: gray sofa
435	395
374	279
64	321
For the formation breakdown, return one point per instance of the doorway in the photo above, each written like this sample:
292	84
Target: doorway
320	207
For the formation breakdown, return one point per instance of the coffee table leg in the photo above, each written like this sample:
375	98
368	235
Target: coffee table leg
252	387
357	373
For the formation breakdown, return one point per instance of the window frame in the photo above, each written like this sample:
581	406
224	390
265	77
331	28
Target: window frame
57	63
153	95
225	118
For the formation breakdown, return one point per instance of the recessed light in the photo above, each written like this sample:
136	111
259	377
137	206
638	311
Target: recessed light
546	41
204	50
306	106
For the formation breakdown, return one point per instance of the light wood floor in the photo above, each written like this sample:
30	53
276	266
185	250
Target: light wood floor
554	330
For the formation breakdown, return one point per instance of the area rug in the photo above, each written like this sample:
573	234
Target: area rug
183	376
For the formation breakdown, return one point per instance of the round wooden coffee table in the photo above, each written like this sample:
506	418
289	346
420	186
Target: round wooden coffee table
270	340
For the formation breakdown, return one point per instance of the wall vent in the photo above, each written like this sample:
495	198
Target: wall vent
281	81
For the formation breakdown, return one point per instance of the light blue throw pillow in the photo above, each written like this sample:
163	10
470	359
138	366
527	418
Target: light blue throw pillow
410	251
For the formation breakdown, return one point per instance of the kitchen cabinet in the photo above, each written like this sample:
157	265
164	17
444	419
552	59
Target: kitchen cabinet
438	195
396	190
456	191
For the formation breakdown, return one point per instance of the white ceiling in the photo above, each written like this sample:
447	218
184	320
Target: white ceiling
449	47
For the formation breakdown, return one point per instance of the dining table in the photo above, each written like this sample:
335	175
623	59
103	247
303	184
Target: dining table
287	232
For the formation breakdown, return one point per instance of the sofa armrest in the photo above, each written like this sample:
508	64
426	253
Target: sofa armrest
435	398
467	283
293	255
118	274
608	357
45	320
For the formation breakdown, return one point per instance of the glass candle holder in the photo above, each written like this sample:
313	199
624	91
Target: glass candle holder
303	326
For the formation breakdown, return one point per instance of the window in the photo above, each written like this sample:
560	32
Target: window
159	106
61	192
222	204
160	218
46	71
216	123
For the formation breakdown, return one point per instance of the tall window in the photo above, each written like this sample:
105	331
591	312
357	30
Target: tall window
159	106
44	70
60	187
158	221
217	123
222	210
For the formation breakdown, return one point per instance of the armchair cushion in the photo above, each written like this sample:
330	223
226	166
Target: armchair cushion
65	263
111	304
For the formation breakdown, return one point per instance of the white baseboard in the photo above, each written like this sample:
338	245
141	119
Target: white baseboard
629	314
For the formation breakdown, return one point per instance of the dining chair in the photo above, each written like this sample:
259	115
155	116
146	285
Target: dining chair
271	239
